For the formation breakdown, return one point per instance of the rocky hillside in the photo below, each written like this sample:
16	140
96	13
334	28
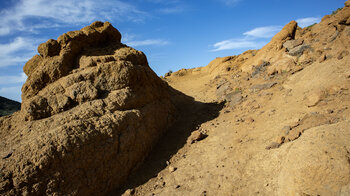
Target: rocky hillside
8	106
284	128
274	121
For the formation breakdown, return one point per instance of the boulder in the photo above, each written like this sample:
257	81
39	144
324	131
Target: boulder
299	50
92	109
282	65
59	57
317	163
290	44
287	33
49	48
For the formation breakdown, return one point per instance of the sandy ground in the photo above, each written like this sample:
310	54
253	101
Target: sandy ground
243	153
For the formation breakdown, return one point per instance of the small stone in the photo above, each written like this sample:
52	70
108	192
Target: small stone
286	129
249	120
272	70
196	136
172	169
322	58
280	139
343	54
314	99
177	186
297	69
272	146
129	192
293	135
330	111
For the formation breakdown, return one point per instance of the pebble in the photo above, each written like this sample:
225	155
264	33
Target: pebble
286	129
330	111
272	146
250	120
129	192
172	169
196	136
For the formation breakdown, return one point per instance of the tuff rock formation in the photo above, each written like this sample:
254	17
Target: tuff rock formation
91	111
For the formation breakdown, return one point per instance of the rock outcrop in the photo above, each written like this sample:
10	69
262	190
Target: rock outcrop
92	109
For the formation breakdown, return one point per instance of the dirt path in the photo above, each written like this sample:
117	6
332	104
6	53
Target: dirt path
250	146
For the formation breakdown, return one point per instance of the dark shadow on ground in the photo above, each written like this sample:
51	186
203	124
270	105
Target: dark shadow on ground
190	114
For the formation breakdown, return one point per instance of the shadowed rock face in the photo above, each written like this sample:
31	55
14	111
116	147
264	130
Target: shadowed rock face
92	108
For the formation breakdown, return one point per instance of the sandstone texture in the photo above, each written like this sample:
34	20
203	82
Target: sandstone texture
92	109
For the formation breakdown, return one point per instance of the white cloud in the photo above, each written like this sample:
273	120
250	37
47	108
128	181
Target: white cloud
253	39
13	79
147	42
65	12
18	51
304	22
263	32
237	44
127	37
131	40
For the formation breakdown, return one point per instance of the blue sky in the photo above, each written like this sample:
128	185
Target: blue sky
174	34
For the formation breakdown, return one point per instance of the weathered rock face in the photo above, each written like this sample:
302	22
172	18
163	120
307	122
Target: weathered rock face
92	109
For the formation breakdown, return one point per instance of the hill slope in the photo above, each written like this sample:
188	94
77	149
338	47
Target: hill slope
285	126
8	106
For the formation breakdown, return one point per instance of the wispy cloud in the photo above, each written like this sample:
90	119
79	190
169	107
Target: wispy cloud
304	22
148	42
133	40
21	78
65	12
263	32
253	39
18	51
237	44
